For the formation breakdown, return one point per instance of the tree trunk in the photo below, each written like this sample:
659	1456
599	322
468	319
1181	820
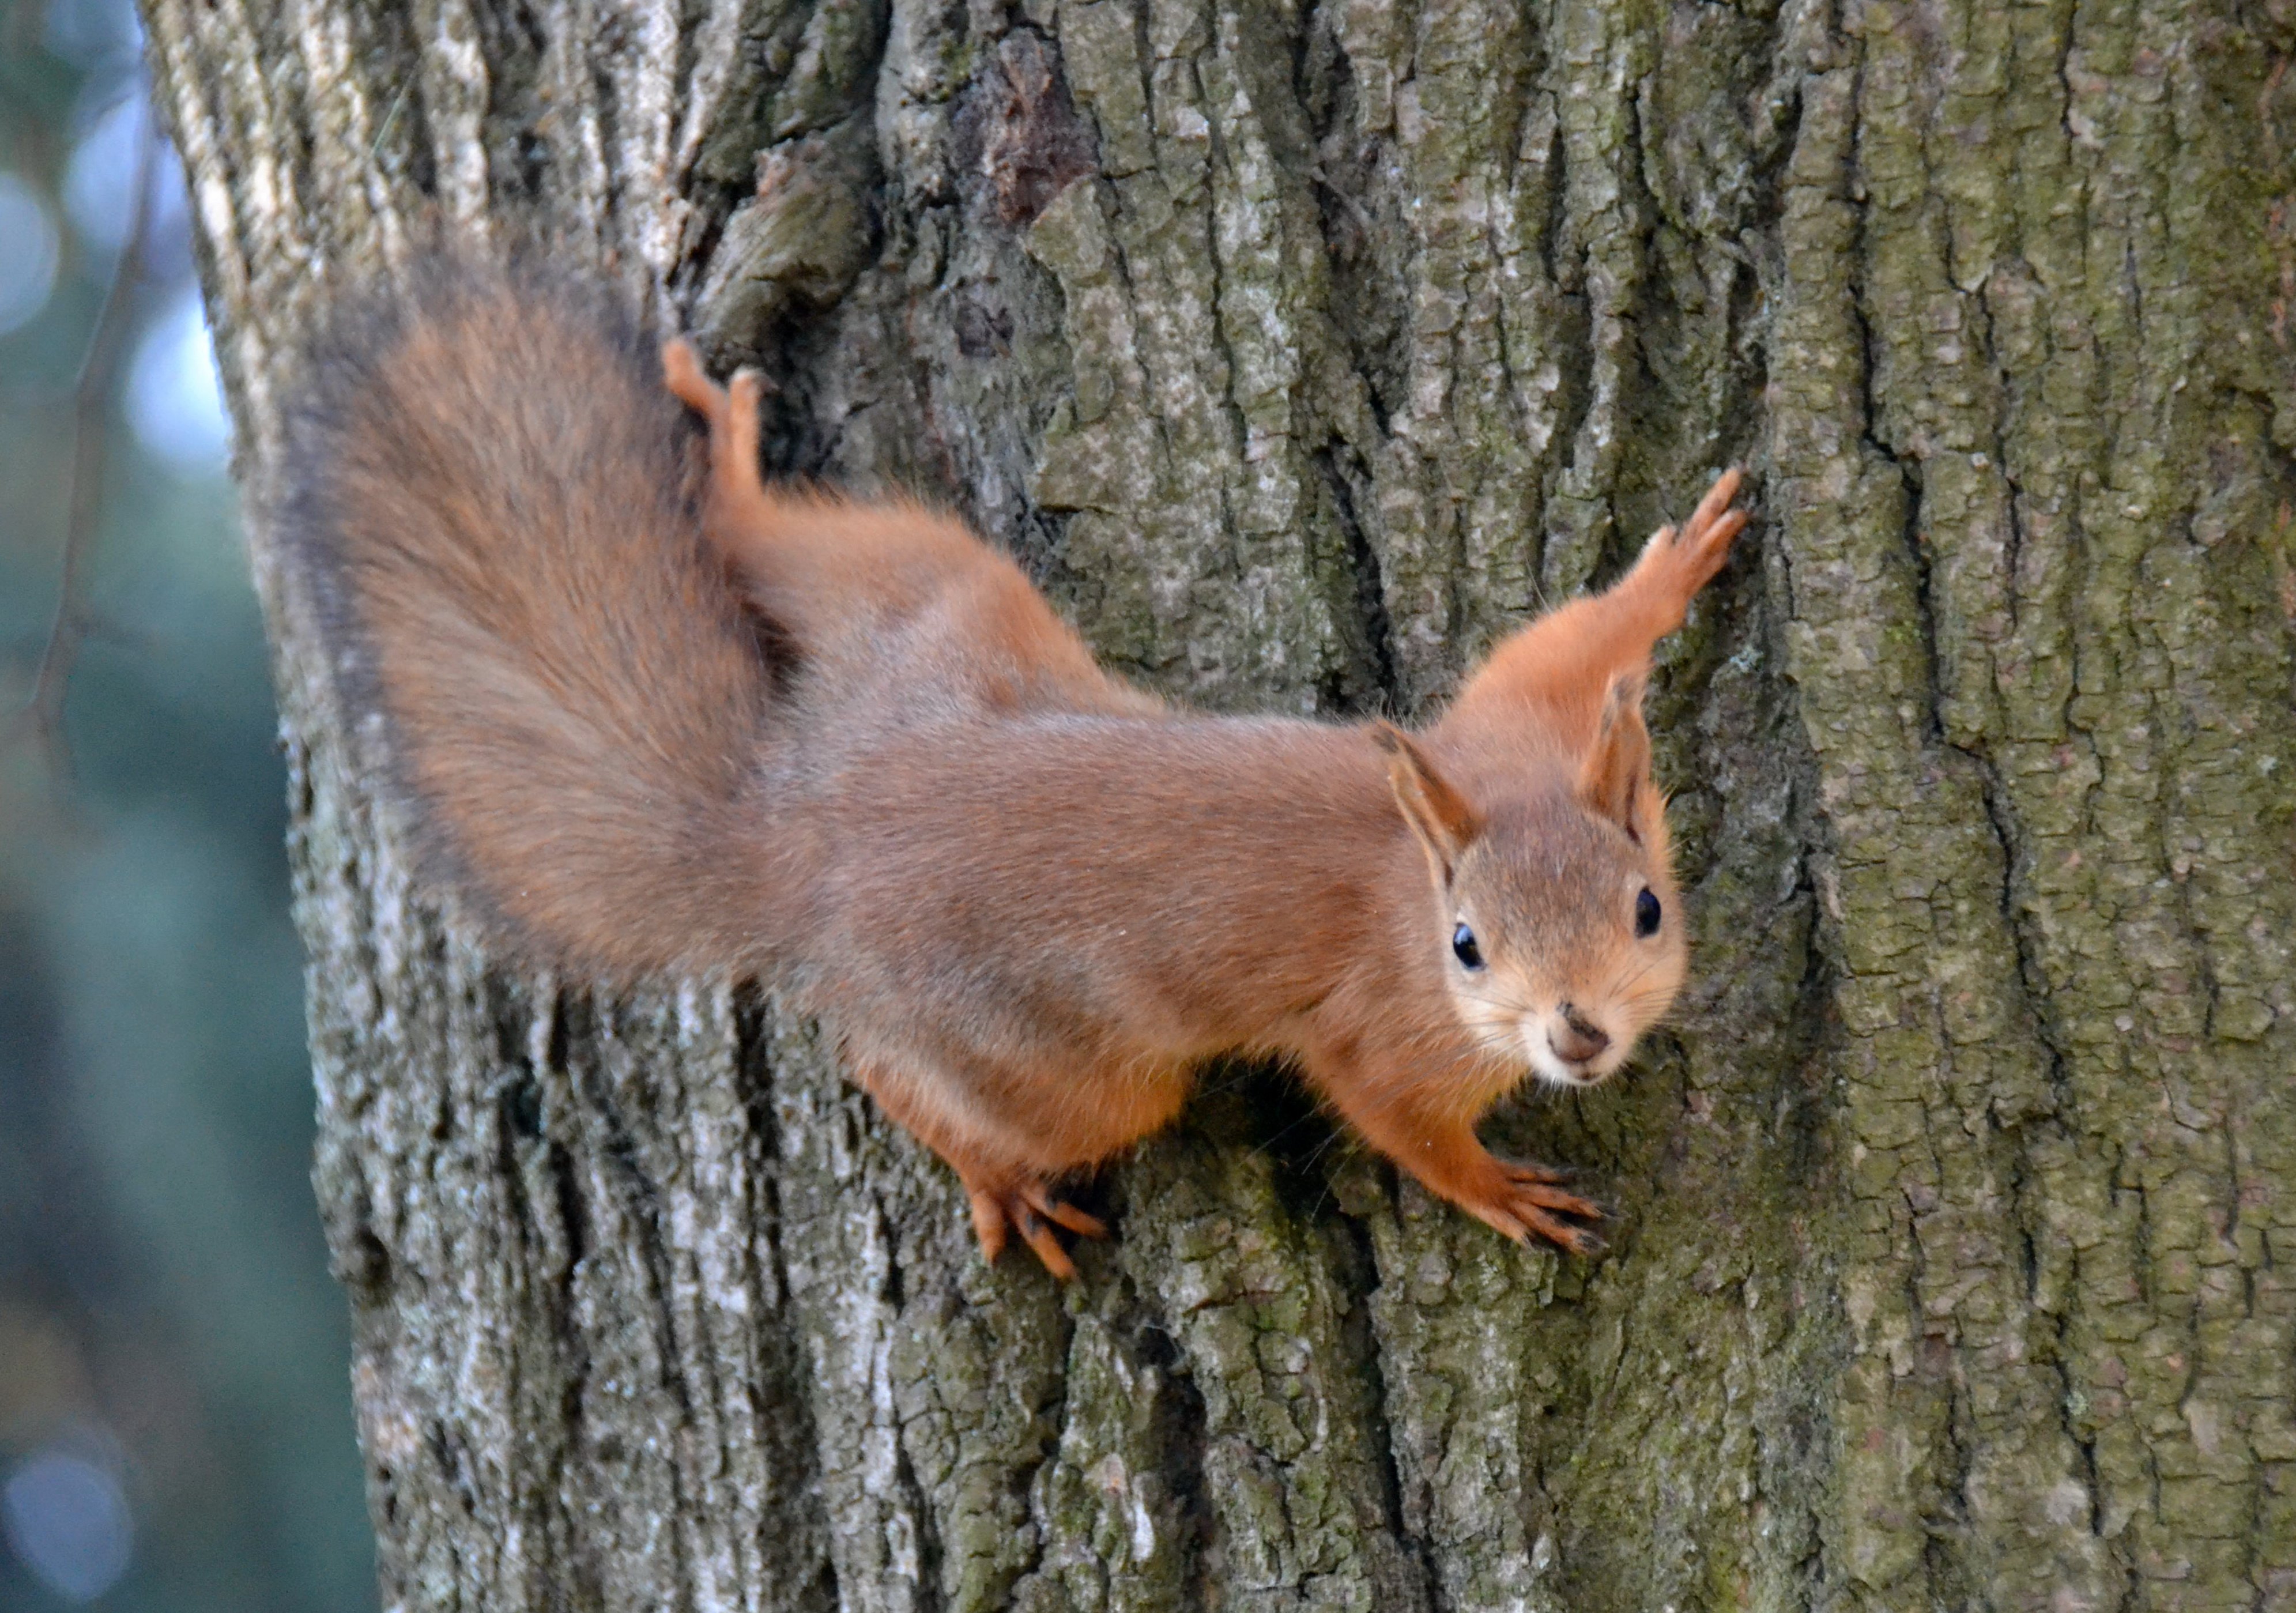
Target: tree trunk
1300	352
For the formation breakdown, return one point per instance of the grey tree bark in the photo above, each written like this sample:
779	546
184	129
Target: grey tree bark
1301	349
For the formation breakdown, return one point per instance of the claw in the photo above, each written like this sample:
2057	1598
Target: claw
1682	560
1712	525
736	456
1714	544
729	412
1531	1205
1039	1238
1717	500
1578	1239
1029	1210
1555	1199
1066	1215
682	373
987	1225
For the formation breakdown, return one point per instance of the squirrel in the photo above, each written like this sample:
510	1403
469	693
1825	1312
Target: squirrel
651	714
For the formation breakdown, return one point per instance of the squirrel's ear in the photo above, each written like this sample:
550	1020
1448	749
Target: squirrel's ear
1438	814
1614	777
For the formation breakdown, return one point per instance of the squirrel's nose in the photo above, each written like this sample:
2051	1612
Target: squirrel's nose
1579	1040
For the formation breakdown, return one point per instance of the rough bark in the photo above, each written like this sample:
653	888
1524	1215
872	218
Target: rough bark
1299	351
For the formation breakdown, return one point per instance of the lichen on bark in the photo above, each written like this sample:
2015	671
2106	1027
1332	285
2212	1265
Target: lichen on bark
1301	350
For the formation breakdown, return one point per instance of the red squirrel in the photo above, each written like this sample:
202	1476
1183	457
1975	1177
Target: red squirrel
652	714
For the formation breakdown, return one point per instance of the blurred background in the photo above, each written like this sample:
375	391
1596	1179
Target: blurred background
175	1421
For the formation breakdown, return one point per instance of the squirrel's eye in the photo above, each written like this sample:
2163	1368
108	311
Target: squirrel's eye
1464	948
1647	914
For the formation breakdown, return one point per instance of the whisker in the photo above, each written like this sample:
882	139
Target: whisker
1628	985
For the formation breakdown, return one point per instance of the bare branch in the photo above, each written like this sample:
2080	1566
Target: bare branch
42	716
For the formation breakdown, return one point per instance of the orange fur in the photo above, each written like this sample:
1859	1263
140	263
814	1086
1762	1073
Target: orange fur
1028	898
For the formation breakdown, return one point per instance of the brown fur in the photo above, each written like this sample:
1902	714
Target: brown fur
490	511
1029	899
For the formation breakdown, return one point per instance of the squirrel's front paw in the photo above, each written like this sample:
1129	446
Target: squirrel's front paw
1526	1201
1688	558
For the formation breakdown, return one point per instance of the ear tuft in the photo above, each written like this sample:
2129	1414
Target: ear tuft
1614	782
1438	814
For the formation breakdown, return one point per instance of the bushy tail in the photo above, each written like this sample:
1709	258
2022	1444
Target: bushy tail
493	505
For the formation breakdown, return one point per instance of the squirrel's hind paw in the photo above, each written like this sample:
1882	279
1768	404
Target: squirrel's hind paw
1030	1210
682	373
